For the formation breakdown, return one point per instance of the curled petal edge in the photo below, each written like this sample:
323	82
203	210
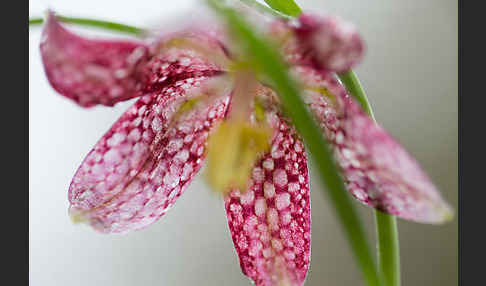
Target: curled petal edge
89	71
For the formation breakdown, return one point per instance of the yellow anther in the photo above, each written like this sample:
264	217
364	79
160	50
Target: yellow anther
233	150
259	111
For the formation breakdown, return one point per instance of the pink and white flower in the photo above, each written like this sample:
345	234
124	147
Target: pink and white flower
184	82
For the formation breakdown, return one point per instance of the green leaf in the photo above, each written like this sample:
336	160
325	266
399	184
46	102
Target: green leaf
264	9
287	7
35	21
100	24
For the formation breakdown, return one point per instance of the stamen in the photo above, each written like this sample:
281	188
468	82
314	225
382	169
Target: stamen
234	148
239	142
259	110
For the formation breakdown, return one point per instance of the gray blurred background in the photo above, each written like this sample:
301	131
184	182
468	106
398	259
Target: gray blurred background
410	75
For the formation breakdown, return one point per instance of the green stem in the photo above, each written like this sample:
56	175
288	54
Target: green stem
352	84
108	25
387	234
388	248
386	225
35	21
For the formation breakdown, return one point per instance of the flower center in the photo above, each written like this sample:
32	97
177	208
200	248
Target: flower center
233	150
237	143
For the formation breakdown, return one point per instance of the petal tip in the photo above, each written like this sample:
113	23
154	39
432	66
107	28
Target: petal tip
438	215
77	216
447	214
90	71
377	169
83	217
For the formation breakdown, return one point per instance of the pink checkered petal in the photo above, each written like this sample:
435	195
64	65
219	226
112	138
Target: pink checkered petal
377	170
203	41
90	72
145	161
167	66
270	222
324	43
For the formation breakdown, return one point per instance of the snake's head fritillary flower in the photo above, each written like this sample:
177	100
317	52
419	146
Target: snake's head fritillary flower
191	91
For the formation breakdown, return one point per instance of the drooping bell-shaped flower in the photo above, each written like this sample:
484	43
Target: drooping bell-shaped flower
189	90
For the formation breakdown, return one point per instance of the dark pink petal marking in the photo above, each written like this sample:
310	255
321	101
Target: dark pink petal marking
270	222
323	43
143	163
90	71
377	170
193	42
175	63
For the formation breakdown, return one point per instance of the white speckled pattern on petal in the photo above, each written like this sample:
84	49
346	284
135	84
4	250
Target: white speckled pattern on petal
91	71
142	165
377	170
270	222
324	43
